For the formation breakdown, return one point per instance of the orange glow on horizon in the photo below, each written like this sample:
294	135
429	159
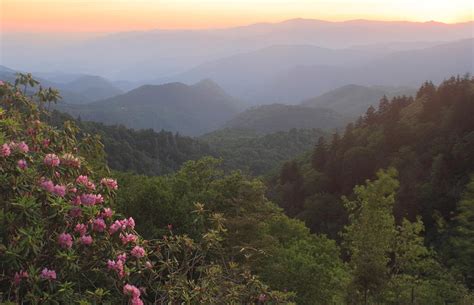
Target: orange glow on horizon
122	15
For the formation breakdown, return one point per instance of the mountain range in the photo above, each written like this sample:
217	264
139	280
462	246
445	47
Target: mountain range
74	88
289	74
148	55
188	109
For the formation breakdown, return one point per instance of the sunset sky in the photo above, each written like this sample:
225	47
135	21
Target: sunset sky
119	15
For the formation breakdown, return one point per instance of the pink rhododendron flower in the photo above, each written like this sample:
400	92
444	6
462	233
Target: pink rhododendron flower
70	160
122	225
75	212
99	225
116	226
46	142
136	301
22	164
84	180
59	190
131	223
47	185
51	160
122	257
99	199
47	274
138	252
128	238
107	213
86	240
131	290
81	229
134	292
89	199
76	201
5	150
23	147
109	183
117	266
19	276
2	83
65	240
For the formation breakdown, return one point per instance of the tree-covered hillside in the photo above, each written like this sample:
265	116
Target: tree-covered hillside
280	117
259	154
152	153
353	100
429	140
144	152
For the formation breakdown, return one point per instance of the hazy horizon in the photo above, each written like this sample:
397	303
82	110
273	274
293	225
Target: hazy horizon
119	15
91	34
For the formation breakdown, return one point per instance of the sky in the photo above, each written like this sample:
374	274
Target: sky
125	15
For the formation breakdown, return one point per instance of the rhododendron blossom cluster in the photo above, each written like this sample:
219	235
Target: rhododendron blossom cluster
134	293
22	164
138	252
47	274
65	240
51	160
86	240
110	183
5	150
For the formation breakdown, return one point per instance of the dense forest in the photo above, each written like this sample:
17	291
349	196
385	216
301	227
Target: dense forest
259	154
140	151
429	140
381	214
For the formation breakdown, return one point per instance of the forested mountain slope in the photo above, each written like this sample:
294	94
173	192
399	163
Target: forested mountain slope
279	117
258	154
145	151
353	100
429	140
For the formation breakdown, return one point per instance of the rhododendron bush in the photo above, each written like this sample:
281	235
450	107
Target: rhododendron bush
62	242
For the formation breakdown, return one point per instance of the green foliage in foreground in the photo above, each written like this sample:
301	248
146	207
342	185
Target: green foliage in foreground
387	263
279	249
460	245
390	264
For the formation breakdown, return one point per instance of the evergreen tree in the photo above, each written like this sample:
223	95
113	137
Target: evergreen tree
291	181
319	154
462	240
370	115
370	234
